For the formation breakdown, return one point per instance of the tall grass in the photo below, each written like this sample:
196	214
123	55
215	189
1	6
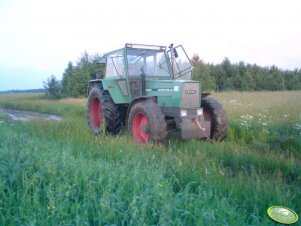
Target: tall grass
37	102
281	105
58	173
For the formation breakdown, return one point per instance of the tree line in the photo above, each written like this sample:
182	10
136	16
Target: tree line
214	77
244	77
75	78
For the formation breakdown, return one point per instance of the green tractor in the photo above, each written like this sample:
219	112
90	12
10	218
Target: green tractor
149	89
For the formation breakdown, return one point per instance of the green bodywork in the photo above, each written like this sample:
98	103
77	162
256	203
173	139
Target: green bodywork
168	92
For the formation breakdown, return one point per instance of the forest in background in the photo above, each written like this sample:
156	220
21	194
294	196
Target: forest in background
214	77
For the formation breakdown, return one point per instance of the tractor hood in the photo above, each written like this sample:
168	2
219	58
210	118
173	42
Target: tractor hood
175	93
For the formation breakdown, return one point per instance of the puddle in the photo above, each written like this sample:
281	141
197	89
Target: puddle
18	115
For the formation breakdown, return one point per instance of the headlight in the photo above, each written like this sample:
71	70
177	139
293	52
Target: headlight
199	112
183	113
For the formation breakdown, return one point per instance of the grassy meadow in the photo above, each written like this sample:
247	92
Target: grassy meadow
58	173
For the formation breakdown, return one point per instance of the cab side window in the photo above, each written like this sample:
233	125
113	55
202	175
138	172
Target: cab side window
115	64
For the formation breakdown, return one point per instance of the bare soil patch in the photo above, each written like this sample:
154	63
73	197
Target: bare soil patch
18	115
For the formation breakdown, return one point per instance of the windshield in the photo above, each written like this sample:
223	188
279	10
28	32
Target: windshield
151	63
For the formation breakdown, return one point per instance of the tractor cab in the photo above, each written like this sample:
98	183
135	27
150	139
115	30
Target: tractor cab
150	60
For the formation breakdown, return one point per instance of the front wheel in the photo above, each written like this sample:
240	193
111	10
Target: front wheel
146	122
215	113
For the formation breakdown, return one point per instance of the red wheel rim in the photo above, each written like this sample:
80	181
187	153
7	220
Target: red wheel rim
96	113
140	123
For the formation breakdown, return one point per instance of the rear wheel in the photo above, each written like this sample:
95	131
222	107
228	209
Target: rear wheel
215	113
94	109
101	108
112	114
146	122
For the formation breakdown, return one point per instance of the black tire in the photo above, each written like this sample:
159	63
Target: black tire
156	126
101	109
112	113
215	113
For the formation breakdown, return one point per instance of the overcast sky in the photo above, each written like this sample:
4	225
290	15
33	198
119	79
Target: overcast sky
39	37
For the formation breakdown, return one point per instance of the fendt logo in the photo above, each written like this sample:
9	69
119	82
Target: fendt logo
190	91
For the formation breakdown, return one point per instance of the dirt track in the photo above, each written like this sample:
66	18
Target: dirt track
18	115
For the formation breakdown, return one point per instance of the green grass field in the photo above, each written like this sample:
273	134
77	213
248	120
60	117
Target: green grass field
58	173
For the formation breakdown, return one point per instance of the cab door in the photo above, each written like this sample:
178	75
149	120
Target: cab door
182	66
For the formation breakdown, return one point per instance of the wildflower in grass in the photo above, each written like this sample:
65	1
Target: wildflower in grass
264	119
160	184
246	120
266	131
247	116
222	173
206	171
51	207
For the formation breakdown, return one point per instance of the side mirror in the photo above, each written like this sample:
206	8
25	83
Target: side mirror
175	53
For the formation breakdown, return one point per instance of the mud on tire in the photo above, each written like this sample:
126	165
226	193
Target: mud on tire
146	122
214	112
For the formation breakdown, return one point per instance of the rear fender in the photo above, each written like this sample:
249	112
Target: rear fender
92	83
205	94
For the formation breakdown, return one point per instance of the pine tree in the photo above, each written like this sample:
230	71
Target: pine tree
53	89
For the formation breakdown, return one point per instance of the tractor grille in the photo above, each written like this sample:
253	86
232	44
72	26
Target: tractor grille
190	95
